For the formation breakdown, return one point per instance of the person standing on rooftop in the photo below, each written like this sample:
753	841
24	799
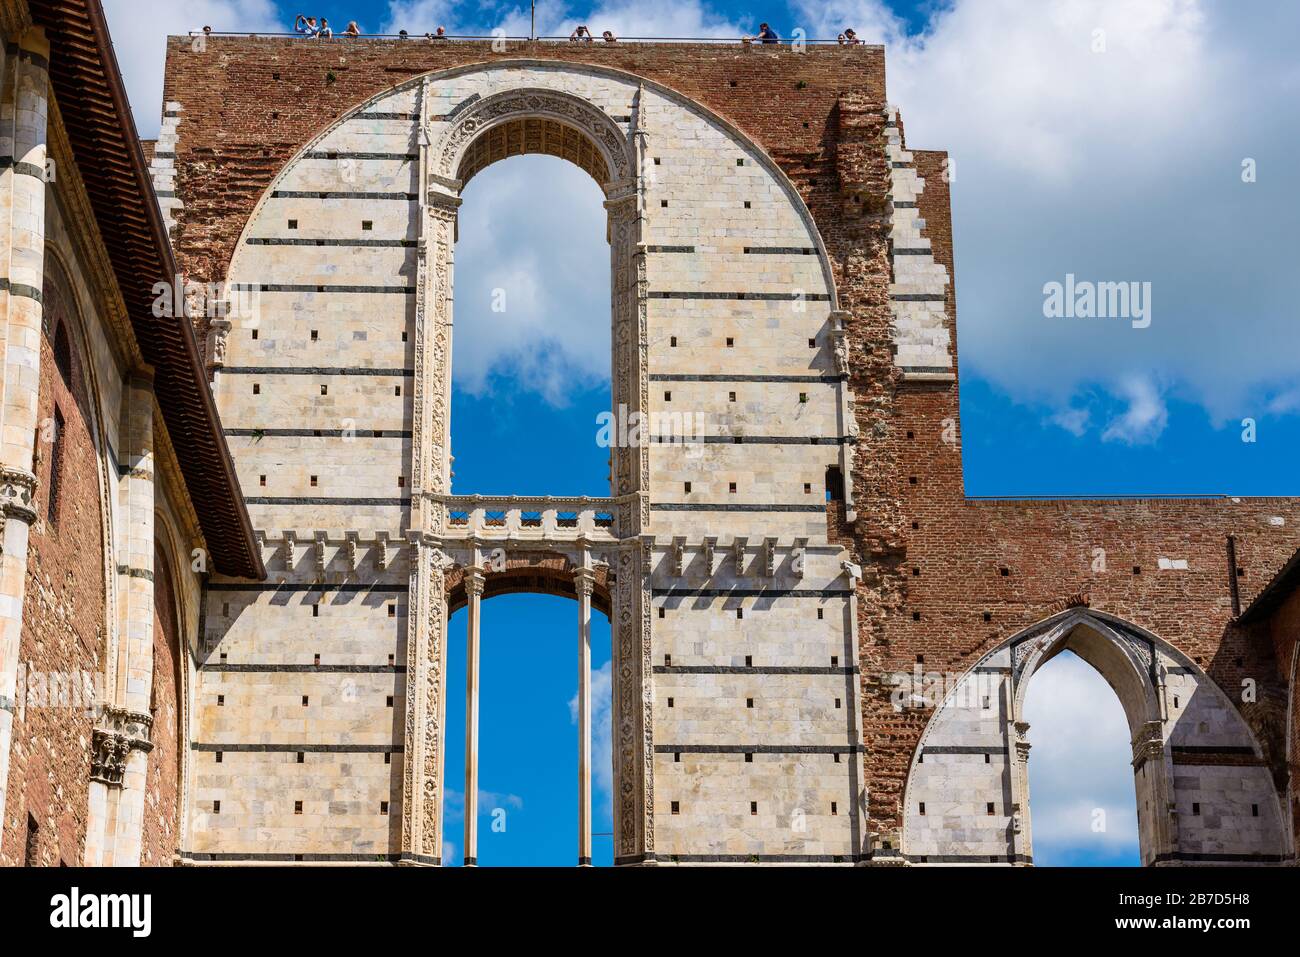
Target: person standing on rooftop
767	35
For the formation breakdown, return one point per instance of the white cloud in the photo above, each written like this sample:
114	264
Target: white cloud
1073	420
627	18
532	238
140	32
1080	762
602	745
1144	419
1122	165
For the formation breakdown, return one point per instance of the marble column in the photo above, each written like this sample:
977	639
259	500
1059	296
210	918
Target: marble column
584	582
474	581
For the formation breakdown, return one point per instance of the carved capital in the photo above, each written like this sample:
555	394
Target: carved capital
474	582
584	580
118	733
17	492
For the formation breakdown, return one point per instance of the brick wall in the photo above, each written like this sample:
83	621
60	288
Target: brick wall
63	621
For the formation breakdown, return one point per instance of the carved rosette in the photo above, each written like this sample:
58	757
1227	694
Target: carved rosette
118	733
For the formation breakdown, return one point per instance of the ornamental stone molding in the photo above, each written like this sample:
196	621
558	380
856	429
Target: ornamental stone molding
481	115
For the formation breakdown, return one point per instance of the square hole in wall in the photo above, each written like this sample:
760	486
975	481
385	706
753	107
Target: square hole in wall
254	331
988	759
731	342
749	702
731	397
663	203
261	480
807	489
658	161
388	758
218	757
668	397
749	661
753	807
305	700
315	336
835	661
324	390
392	611
989	808
661	613
749	757
740	613
315	611
835	807
315	481
257	388
812	343
297	807
922	809
367	225
803	398
670	702
676	807
383	807
677	757
315	659
837	702
301	757
821	613
401	481
221	701
672	341
687	486
293	224
731	487
403	336
916	616
389	702
216	807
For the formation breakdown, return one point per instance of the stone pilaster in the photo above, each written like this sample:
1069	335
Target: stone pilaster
426	681
121	737
24	102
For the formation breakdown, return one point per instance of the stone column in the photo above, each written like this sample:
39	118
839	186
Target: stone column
474	581
584	581
121	739
25	102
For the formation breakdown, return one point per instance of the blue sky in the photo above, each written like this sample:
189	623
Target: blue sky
1101	138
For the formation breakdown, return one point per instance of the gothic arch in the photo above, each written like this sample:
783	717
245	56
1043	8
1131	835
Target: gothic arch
1204	792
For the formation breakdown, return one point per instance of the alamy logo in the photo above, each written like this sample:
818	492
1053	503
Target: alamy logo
74	910
1098	300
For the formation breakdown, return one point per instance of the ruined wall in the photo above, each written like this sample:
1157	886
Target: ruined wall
945	580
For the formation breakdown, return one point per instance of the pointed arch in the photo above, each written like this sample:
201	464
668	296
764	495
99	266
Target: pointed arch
1204	791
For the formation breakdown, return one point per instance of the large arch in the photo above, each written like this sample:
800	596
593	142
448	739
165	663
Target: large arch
355	240
1204	792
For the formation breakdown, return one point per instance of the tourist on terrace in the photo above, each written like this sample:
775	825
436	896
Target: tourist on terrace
304	25
608	36
767	35
580	33
440	35
324	33
352	29
850	37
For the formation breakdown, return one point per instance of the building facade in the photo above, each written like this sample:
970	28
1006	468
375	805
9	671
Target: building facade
820	645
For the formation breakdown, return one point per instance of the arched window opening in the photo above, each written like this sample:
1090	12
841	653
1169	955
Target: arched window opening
528	746
531	362
63	353
1082	798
